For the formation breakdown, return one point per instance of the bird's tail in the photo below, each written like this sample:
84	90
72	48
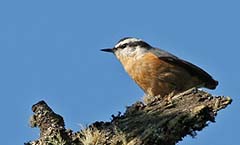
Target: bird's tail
211	84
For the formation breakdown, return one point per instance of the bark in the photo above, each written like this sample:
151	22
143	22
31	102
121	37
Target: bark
155	122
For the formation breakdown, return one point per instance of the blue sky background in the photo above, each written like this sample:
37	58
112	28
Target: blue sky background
49	50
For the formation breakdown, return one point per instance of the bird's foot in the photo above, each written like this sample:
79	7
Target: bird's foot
147	99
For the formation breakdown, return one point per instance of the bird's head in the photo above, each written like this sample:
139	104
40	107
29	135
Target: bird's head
129	47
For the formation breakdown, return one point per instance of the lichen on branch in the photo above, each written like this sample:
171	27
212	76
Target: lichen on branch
155	122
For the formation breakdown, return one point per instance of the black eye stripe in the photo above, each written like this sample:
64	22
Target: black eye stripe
133	44
122	46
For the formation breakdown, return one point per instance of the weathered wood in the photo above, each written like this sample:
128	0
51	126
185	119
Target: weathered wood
157	122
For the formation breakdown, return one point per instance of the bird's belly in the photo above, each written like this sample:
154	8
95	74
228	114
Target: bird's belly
157	77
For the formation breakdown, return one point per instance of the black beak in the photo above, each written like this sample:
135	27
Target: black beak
108	50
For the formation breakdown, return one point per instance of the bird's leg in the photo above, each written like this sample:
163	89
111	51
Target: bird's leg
147	99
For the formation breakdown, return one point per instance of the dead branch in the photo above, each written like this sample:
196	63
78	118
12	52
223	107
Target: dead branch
157	122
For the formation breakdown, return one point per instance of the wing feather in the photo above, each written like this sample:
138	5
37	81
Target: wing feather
191	68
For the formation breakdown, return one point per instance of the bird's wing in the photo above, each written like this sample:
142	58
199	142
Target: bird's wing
191	68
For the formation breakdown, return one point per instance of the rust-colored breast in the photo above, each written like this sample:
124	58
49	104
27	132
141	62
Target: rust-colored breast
157	77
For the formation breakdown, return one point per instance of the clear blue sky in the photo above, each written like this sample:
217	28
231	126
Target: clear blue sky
50	50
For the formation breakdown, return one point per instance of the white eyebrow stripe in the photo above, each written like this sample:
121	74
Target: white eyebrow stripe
127	41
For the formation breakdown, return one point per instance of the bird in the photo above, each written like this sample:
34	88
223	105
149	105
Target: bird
158	72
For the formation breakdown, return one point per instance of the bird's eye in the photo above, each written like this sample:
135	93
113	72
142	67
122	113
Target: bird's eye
123	46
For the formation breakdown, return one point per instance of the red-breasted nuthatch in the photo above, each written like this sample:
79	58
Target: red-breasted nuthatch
159	72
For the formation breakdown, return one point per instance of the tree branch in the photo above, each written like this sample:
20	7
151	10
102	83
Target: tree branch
157	122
